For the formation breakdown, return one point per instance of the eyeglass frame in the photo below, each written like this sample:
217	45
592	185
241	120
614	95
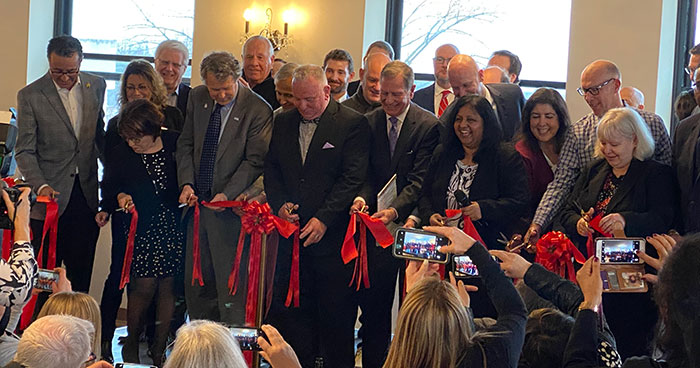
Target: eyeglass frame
60	73
595	90
441	60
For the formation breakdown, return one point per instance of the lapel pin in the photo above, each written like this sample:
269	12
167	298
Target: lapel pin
206	105
87	85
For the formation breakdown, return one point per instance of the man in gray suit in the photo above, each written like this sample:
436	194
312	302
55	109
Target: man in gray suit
61	130
220	155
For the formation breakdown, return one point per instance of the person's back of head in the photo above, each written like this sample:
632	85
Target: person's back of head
79	305
433	328
58	341
205	344
546	334
684	104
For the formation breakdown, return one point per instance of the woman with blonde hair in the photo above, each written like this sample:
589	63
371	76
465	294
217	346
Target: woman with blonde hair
79	305
205	344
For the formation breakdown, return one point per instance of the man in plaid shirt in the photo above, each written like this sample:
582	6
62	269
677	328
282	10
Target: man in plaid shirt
600	86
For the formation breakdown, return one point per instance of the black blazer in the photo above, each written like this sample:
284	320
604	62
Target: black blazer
684	141
414	147
509	102
425	98
500	188
646	198
173	122
353	87
332	175
183	93
124	172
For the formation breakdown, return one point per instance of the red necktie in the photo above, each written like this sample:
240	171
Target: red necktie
443	102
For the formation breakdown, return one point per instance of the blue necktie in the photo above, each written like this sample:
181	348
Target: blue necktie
393	134
211	144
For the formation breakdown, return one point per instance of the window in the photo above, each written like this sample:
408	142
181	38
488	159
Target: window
536	31
115	32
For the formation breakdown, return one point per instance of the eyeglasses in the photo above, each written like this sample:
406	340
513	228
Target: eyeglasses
167	63
441	60
141	89
59	73
593	90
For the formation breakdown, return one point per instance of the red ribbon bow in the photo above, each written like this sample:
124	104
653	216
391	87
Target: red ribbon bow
129	252
554	252
350	250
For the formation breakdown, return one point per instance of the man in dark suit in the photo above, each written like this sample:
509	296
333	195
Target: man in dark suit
509	62
437	96
220	154
61	130
507	100
171	61
258	55
403	139
367	96
686	163
316	165
376	47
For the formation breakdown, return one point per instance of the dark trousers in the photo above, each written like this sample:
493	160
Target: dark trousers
323	324
76	243
376	303
218	236
111	294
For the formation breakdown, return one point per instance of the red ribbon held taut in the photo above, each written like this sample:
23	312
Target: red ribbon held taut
51	228
595	225
351	251
129	252
555	251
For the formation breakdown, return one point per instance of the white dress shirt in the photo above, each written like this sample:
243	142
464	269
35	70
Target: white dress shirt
438	97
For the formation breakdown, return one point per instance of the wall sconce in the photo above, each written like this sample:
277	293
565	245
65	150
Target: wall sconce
278	39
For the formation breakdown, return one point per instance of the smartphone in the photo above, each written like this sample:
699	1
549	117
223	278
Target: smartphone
464	267
133	365
247	337
619	250
45	278
419	245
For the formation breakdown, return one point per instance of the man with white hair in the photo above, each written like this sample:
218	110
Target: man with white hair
172	57
258	56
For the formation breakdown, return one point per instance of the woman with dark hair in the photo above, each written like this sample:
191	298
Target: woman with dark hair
545	123
141	172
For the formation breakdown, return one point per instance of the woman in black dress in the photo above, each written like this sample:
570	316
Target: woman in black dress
141	172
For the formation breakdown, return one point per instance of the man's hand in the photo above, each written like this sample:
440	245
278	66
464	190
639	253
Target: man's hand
125	201
63	284
240	198
357	206
437	219
313	231
187	196
462	289
612	222
473	211
459	241
387	215
409	224
582	227
101	218
533	233
512	264
417	270
664	246
277	352
286	212
218	197
588	278
48	191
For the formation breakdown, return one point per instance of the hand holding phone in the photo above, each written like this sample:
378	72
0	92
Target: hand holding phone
247	337
419	245
45	279
620	251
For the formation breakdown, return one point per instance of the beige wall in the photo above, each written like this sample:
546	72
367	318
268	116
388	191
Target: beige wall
14	36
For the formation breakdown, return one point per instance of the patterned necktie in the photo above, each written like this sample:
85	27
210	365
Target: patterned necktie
443	102
209	148
393	134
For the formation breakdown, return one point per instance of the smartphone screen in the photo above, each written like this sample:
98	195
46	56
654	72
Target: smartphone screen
45	278
620	251
419	245
464	267
247	337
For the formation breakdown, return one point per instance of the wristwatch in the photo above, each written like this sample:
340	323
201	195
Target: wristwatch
588	305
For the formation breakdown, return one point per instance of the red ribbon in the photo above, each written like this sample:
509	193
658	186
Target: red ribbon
51	227
350	250
595	225
555	251
469	228
129	252
293	289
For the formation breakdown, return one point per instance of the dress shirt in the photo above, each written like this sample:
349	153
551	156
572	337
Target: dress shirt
172	98
399	123
225	112
344	97
438	97
72	100
577	153
306	133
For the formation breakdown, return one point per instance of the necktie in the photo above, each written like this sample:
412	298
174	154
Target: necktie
443	102
209	148
393	133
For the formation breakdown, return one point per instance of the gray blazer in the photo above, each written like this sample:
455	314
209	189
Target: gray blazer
242	147
47	148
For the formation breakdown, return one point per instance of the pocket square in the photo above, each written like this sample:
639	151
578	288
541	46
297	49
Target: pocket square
328	145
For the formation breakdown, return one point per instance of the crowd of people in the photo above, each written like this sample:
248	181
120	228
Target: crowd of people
318	148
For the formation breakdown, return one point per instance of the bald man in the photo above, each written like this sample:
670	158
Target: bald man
507	100
258	56
632	97
375	47
495	74
366	98
437	96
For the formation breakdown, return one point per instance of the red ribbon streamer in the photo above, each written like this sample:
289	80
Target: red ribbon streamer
350	250
595	225
129	252
554	252
469	228
293	289
51	227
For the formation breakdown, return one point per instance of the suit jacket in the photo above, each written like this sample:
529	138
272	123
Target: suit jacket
183	93
499	187
242	147
266	90
48	150
646	198
353	87
684	142
358	103
425	98
414	148
331	176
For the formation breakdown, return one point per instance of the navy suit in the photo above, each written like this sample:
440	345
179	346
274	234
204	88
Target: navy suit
425	98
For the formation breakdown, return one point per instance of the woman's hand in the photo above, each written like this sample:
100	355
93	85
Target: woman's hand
417	270
101	218
612	222
63	284
473	211
664	246
125	201
437	220
582	227
459	241
589	281
512	264
462	289
277	352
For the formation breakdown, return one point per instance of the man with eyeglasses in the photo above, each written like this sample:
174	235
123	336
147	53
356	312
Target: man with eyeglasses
600	87
171	61
61	130
693	62
437	96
